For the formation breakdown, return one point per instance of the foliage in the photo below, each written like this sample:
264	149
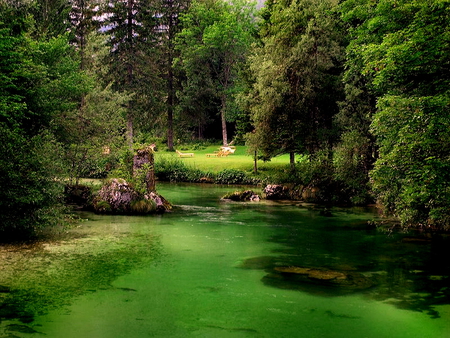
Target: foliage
124	166
403	51
175	170
30	196
133	61
167	14
231	176
93	132
143	206
411	178
296	72
213	43
350	166
31	93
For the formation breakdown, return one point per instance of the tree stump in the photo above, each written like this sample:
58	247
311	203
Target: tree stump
145	160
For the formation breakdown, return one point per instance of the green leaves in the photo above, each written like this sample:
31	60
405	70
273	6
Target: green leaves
296	77
412	177
213	45
399	53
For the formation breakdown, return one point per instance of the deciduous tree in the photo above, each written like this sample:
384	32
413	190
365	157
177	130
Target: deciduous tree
405	55
215	39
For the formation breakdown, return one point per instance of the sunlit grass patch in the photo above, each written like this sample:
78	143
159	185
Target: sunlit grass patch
240	160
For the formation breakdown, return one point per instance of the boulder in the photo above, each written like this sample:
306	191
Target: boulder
161	204
246	195
276	192
119	197
116	196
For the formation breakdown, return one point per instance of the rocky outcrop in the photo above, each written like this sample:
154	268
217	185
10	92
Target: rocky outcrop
246	195
119	197
116	196
276	192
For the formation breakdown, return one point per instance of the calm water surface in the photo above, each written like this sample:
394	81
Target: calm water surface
221	269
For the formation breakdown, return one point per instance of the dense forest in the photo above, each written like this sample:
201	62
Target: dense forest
361	88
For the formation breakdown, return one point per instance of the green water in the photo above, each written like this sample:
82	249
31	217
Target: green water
208	269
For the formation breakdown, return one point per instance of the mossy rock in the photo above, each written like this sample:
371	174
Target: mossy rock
246	195
143	206
119	197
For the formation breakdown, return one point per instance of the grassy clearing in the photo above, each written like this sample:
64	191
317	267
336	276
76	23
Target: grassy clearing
240	160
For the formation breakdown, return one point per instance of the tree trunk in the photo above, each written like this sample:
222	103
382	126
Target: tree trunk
130	74
255	164
170	76
170	96
292	160
130	130
224	122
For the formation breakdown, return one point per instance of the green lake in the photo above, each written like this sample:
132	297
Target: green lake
212	268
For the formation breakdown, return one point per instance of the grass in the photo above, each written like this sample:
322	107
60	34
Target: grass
240	160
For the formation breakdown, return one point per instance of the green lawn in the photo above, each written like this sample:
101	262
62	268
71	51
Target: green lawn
239	160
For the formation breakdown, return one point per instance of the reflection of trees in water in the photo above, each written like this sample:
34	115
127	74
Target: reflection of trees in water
408	272
40	277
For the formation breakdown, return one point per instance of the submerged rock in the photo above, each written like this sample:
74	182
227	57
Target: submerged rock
313	273
350	280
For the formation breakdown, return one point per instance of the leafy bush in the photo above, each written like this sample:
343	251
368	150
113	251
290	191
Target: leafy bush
232	176
175	170
318	174
124	167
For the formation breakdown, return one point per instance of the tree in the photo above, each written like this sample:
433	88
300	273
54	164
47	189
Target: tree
214	41
82	23
167	13
296	77
130	25
92	133
356	151
51	17
405	57
32	93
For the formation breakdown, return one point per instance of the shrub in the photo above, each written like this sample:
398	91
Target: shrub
175	170
232	176
124	167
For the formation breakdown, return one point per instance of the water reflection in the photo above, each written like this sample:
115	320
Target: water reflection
331	257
